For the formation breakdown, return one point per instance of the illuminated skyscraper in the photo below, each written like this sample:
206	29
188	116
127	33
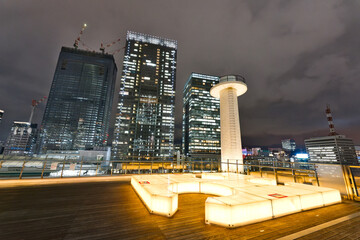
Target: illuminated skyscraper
335	149
78	109
21	140
144	128
201	118
288	144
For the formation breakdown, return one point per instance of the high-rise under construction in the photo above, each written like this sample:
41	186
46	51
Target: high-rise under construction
77	114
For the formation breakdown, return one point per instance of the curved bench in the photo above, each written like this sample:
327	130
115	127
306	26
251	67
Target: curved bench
240	199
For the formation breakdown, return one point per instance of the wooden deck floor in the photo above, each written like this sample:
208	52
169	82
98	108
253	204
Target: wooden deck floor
112	210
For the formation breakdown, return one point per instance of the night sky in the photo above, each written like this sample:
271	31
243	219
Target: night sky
297	56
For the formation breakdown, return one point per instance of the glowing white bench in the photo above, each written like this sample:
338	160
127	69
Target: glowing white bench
156	198
243	199
329	195
237	210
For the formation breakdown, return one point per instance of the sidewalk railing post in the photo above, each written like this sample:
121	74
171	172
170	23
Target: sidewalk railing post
82	159
294	175
44	165
317	177
228	166
62	170
276	176
22	169
237	166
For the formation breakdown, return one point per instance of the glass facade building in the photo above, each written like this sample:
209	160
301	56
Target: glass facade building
201	118
78	110
144	126
331	149
288	144
21	140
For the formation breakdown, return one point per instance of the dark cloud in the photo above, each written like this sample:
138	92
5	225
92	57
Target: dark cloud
297	56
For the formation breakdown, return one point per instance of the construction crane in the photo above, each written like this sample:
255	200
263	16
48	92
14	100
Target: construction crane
330	121
78	39
107	45
34	104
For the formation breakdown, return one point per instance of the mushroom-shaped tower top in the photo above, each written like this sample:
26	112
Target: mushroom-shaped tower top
230	81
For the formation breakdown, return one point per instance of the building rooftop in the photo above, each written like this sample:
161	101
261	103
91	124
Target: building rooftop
146	38
87	53
108	208
327	137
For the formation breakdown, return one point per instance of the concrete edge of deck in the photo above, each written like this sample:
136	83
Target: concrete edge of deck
10	183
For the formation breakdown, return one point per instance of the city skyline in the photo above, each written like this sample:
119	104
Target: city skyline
298	57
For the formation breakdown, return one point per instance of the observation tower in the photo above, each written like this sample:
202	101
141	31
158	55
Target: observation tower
228	89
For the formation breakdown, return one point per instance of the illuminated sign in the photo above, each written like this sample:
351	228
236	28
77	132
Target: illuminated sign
302	155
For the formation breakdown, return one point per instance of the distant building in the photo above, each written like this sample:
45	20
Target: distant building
288	145
145	124
255	151
78	110
263	157
21	140
1	114
357	150
335	149
102	154
201	118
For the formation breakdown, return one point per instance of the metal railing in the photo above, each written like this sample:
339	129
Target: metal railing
66	167
352	181
281	172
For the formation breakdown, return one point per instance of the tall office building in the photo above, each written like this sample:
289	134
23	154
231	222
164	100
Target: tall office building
288	144
21	140
144	128
78	109
335	149
201	118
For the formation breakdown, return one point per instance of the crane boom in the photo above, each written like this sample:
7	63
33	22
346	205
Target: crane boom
34	103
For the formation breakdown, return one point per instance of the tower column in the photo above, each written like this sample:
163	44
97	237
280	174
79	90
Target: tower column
228	89
231	148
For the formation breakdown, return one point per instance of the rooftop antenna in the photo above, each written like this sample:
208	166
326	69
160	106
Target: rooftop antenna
330	121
